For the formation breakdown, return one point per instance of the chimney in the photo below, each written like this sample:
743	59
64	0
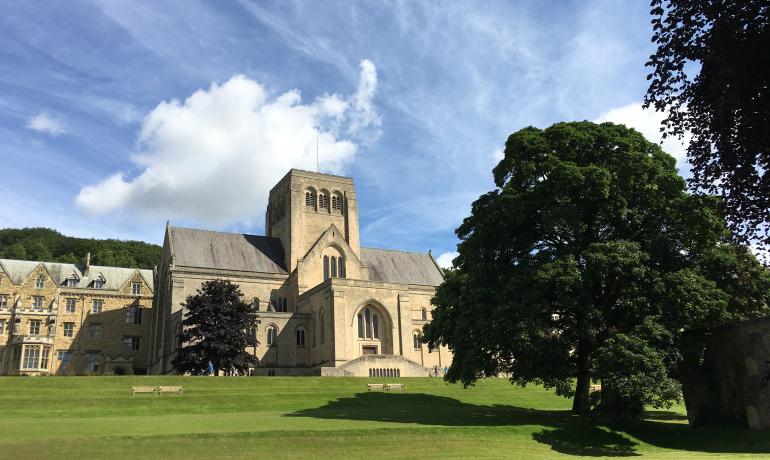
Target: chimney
88	264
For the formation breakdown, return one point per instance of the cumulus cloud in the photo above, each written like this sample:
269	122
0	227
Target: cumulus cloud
45	123
648	122
214	156
445	259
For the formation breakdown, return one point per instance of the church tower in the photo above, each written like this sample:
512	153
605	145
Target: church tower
303	205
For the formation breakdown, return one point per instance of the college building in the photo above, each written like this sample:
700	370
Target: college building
62	319
326	305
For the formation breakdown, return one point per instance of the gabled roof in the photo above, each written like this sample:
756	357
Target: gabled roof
19	270
226	251
401	267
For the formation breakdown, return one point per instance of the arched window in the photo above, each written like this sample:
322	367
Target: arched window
417	341
341	267
424	314
272	335
40	282
251	334
323	200
360	326
375	326
368	324
310	199
326	268
336	202
255	303
301	338
334	267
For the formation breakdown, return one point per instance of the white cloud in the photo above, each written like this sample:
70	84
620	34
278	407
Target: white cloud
45	123
213	157
445	259
648	122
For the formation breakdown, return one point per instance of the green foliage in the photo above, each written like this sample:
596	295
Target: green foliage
586	262
47	245
216	328
710	74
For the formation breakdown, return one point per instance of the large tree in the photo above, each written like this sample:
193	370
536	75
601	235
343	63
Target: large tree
216	328
586	262
711	73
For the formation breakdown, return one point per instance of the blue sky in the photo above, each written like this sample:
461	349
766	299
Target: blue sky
118	116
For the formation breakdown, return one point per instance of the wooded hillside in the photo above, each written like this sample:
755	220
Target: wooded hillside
45	244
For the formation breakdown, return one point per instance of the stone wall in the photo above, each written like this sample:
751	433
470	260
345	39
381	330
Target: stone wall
726	375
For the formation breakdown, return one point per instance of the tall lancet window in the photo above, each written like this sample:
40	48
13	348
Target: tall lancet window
334	267
326	268
368	325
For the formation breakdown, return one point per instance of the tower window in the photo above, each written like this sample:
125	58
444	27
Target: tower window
272	333
326	268
323	200
334	267
424	314
309	199
301	338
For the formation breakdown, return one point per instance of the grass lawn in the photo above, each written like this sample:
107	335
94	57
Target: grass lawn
96	417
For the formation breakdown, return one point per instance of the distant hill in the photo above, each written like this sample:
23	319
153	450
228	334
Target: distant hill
45	244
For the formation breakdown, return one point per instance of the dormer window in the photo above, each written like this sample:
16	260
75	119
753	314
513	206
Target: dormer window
72	281
98	283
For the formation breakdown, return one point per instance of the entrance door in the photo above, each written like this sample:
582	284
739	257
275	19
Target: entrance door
370	349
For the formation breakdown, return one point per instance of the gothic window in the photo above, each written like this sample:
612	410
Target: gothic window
272	334
301	338
417	341
334	267
341	267
368	324
326	268
323	200
40	282
310	199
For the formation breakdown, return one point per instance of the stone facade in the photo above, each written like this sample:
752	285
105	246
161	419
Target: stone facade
70	319
726	375
324	301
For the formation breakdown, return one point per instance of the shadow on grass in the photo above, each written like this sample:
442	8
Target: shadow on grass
562	431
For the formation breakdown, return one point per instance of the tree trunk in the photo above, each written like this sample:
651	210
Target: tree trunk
582	404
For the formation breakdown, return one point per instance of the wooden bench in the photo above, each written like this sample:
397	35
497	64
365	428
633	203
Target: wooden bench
375	386
596	387
395	386
171	390
139	389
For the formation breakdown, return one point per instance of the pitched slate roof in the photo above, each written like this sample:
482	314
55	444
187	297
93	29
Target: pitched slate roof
114	277
226	251
401	267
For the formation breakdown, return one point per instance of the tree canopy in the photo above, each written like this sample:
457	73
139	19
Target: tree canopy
710	72
588	260
216	328
47	245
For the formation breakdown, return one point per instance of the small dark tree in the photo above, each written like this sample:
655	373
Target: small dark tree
215	329
586	262
711	73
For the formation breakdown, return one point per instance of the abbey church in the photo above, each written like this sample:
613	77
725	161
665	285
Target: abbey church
327	306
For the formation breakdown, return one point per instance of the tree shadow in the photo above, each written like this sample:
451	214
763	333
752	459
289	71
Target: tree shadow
563	432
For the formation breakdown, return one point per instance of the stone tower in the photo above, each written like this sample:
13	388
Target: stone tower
303	205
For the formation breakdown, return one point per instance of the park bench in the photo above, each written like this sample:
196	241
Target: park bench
375	386
142	389
395	386
171	390
596	387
